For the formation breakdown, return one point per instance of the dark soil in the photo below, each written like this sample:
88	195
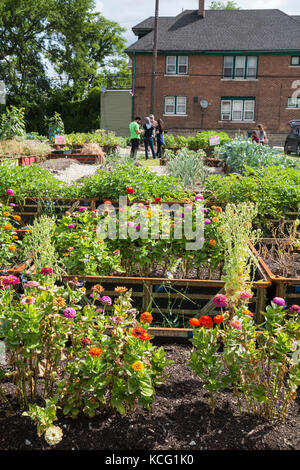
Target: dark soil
281	260
180	420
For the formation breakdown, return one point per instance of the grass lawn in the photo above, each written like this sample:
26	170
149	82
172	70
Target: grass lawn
150	162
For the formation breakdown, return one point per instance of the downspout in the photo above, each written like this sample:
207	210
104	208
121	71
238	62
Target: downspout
133	88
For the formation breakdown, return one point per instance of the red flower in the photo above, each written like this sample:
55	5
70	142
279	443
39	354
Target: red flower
206	321
86	341
130	190
140	333
158	199
46	271
218	319
146	317
95	352
194	322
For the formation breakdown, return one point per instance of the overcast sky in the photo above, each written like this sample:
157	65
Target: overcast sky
131	12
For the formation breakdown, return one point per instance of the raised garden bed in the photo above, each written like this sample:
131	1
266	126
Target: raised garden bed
284	274
85	159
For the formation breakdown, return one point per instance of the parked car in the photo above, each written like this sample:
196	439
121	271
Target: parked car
292	143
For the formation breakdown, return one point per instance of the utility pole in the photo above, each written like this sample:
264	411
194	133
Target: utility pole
153	84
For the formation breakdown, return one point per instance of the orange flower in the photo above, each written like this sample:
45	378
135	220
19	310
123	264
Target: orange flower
218	319
17	218
146	317
140	333
215	219
95	352
217	209
212	242
6	214
7	227
194	322
12	248
98	288
121	290
206	321
15	237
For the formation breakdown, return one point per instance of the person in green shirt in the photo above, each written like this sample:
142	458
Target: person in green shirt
135	132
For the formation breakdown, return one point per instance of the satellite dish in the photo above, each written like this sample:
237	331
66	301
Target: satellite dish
204	104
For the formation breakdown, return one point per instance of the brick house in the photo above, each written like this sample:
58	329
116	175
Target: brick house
244	63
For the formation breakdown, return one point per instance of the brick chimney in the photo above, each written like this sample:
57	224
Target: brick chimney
201	11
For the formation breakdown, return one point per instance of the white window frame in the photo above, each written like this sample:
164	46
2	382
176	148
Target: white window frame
177	105
227	116
176	64
226	113
252	68
295	101
174	103
247	111
242	68
298	61
234	103
227	67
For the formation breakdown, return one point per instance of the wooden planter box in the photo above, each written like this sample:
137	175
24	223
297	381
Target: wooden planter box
85	159
286	287
33	208
188	297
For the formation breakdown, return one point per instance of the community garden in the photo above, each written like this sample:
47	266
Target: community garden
148	311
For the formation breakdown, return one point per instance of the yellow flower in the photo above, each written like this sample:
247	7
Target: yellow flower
138	366
12	248
15	237
100	241
83	289
6	214
7	227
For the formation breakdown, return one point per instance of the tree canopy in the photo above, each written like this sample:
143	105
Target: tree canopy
230	5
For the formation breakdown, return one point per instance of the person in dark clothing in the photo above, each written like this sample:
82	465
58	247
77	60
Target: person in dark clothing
255	137
160	137
148	137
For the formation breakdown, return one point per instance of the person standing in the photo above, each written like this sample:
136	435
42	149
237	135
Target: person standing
154	124
263	139
255	137
148	137
135	137
160	137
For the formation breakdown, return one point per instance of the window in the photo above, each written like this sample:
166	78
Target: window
295	60
241	67
175	105
238	109
177	65
294	102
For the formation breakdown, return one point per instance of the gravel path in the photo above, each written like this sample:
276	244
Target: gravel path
69	170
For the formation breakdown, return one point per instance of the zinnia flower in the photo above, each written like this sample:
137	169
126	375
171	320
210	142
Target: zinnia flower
199	197
28	300
53	435
95	352
295	309
32	284
206	321
116	319
46	271
121	289
207	221
246	295
220	300
140	333
236	324
10	192
158	199
130	190
146	317
106	300
86	341
98	288
218	319
59	302
194	322
82	209
12	247
279	301
138	366
7	227
71	226
69	312
248	313
10	280
212	242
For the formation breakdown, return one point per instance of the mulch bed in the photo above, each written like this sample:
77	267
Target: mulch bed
180	420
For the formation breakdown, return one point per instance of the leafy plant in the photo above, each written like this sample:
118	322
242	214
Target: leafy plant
188	166
12	123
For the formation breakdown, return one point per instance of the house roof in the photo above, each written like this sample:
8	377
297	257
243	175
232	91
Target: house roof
220	30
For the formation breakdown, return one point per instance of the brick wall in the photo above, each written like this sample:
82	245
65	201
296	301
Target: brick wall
271	90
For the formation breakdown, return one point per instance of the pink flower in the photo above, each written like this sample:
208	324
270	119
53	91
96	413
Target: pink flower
207	221
10	280
130	224
279	301
236	324
204	210
220	300
199	197
10	192
71	226
71	248
246	295
32	284
28	300
46	271
82	209
69	312
106	300
295	309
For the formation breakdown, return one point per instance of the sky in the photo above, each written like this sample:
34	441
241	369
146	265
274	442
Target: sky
131	12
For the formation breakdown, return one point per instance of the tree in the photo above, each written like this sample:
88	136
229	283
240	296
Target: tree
230	5
42	38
